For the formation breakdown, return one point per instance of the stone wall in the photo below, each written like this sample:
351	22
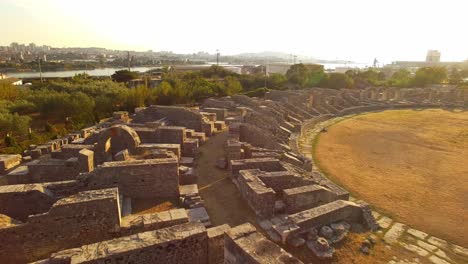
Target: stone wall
327	213
280	180
72	221
20	201
221	113
132	224
257	137
9	161
70	150
114	139
145	148
216	243
181	244
50	170
171	135
259	197
177	116
244	245
305	197
264	164
152	178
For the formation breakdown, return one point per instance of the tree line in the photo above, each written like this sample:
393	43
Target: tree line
57	106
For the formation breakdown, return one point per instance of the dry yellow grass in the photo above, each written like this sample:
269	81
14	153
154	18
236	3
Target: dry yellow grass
410	164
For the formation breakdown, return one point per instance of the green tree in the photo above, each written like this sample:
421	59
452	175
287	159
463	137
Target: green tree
401	78
233	86
14	123
455	76
430	75
316	75
338	80
124	76
298	74
276	81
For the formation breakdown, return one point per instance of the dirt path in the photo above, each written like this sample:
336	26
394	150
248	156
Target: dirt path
222	199
225	206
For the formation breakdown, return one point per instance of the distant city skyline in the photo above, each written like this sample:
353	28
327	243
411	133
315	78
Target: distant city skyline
349	30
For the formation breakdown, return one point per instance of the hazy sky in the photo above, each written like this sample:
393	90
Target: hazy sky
357	30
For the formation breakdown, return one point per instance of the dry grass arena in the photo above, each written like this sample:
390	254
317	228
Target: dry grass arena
410	164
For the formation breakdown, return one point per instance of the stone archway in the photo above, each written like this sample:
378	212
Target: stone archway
114	139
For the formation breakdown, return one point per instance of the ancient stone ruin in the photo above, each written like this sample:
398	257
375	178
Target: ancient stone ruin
126	190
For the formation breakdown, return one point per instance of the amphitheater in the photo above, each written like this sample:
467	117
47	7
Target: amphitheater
247	180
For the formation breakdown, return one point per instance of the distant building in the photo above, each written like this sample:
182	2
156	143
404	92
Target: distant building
184	68
433	56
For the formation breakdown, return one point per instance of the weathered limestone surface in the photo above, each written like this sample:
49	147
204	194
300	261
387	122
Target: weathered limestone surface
244	245
144	148
20	201
178	116
259	197
9	161
280	180
115	139
157	178
181	244
79	219
328	213
216	243
264	164
305	197
70	150
221	113
51	170
141	223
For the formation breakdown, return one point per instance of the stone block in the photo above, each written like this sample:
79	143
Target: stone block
9	161
122	155
216	243
244	245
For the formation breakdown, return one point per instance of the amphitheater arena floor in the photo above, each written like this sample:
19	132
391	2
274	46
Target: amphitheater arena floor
410	164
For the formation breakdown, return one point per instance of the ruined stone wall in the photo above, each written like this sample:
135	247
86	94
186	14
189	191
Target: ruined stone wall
327	213
64	188
259	197
263	164
171	135
49	171
257	137
177	116
244	245
181	244
162	134
145	148
20	201
115	139
53	170
221	113
152	178
132	224
280	180
9	161
190	147
305	197
84	218
216	243
219	103
70	150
